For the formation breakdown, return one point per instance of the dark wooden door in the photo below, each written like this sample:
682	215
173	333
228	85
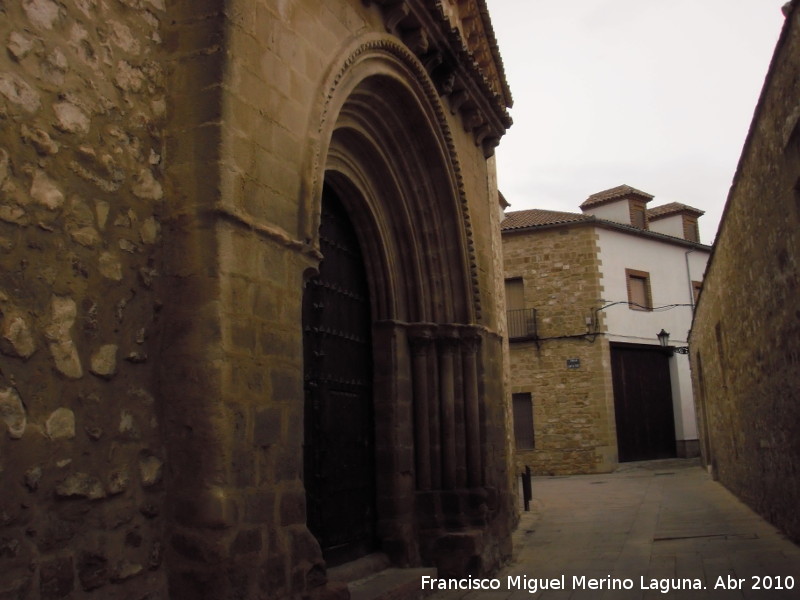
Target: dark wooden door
642	403
339	440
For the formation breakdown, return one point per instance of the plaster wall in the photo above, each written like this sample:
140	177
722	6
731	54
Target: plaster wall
670	284
672	225
619	212
683	399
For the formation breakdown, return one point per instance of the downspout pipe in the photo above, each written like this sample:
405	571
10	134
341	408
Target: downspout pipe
689	277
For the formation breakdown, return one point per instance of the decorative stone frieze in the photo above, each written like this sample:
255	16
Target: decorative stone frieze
456	45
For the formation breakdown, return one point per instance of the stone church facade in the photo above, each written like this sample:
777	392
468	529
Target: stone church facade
191	400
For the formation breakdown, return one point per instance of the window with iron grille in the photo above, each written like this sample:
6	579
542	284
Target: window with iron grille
521	321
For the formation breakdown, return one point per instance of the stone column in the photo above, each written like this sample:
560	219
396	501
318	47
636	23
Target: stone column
447	343
394	440
421	340
470	341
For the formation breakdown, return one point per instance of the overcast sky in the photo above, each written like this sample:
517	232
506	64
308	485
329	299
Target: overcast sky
656	94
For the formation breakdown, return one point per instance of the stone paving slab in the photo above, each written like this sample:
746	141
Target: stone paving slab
650	526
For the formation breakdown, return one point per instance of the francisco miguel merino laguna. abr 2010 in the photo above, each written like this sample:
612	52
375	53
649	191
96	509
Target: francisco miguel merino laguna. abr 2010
581	582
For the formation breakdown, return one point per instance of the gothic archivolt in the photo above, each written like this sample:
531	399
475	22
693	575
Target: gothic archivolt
388	150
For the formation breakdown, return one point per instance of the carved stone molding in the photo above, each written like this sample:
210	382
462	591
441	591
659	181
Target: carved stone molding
421	336
470	336
455	43
375	46
448	337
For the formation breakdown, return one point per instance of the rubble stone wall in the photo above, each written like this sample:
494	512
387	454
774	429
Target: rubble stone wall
745	340
82	108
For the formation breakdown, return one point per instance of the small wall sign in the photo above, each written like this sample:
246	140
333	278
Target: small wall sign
573	363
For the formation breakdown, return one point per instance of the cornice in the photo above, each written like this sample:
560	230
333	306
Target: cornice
455	44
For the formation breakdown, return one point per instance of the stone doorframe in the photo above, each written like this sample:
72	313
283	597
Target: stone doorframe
230	385
389	155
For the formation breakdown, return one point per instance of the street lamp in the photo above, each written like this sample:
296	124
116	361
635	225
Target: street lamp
663	339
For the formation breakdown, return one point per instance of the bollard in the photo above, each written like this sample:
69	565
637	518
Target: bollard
526	488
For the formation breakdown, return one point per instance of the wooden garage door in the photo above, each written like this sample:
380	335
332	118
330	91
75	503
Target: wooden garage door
643	403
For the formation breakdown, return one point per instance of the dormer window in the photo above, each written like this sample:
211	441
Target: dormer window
690	230
622	204
638	214
676	220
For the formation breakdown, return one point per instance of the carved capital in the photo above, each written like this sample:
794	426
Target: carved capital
489	144
457	100
395	14
445	79
417	41
481	132
421	336
431	60
472	120
470	338
448	338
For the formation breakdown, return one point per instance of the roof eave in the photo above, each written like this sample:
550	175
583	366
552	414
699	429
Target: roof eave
592	220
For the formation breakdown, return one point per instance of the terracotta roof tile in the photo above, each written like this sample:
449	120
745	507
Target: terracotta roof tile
672	208
535	217
613	193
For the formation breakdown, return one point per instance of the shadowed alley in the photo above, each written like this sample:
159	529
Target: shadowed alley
653	524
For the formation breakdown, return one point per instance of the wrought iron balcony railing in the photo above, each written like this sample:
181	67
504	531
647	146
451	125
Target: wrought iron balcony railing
521	324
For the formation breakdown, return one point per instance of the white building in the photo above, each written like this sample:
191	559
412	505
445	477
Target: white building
592	385
650	277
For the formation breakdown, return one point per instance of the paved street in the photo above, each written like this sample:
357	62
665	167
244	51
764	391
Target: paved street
655	525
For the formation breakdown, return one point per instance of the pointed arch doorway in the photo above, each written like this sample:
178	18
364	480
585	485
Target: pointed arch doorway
387	151
339	454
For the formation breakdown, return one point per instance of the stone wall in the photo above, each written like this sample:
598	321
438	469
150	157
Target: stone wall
502	388
82	108
573	415
745	339
161	167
